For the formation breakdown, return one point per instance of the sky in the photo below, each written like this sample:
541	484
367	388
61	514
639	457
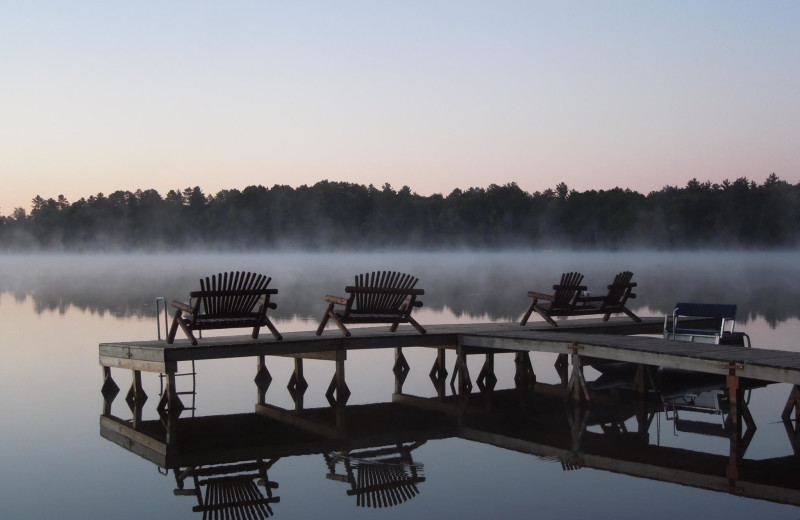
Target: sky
102	96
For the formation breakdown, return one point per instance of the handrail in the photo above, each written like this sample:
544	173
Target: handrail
158	317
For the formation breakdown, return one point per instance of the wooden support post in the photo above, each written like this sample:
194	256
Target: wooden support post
398	382
139	398
342	392
577	417
109	390
438	373
733	398
262	379
400	369
300	385
562	368
792	405
524	377
792	426
643	381
464	383
735	432
794	435
576	388
173	408
644	417
487	379
456	370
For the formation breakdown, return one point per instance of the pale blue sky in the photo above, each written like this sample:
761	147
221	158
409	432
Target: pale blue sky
101	96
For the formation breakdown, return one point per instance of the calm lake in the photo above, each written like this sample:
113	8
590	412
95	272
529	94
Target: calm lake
549	462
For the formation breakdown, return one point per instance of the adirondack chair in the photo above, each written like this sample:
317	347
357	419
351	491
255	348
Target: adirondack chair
224	301
231	491
378	477
560	303
377	297
613	302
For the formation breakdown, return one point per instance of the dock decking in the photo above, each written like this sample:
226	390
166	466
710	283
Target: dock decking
573	339
614	340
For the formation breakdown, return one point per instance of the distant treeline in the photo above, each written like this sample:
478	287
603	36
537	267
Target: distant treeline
333	215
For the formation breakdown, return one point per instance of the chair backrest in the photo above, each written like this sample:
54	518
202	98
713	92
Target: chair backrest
233	490
382	291
231	294
566	291
724	312
380	476
385	485
620	289
235	497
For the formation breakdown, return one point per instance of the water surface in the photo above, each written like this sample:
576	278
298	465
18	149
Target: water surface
55	310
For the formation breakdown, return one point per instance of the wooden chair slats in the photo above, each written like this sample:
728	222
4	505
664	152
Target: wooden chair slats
226	300
383	486
375	297
378	480
235	496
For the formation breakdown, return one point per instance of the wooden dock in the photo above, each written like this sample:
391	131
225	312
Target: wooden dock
574	340
504	418
158	356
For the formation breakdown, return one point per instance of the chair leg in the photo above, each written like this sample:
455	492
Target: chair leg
324	320
416	325
528	313
173	329
176	321
339	324
545	315
272	329
187	331
631	315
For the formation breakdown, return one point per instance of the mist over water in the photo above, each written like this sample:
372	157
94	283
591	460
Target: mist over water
474	285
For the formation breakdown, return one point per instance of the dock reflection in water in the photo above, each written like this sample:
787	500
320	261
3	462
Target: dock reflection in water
224	460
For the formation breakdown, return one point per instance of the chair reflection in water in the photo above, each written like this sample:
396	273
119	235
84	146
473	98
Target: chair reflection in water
378	477
231	490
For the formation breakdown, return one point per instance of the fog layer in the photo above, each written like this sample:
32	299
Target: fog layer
478	285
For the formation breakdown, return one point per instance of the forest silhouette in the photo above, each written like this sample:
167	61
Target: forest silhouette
739	214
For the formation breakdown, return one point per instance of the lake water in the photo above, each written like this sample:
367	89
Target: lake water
56	309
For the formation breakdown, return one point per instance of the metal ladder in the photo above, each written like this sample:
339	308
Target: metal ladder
193	392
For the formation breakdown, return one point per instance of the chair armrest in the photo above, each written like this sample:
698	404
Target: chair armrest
407	301
627	286
185	307
589	299
540	296
336	299
559	287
